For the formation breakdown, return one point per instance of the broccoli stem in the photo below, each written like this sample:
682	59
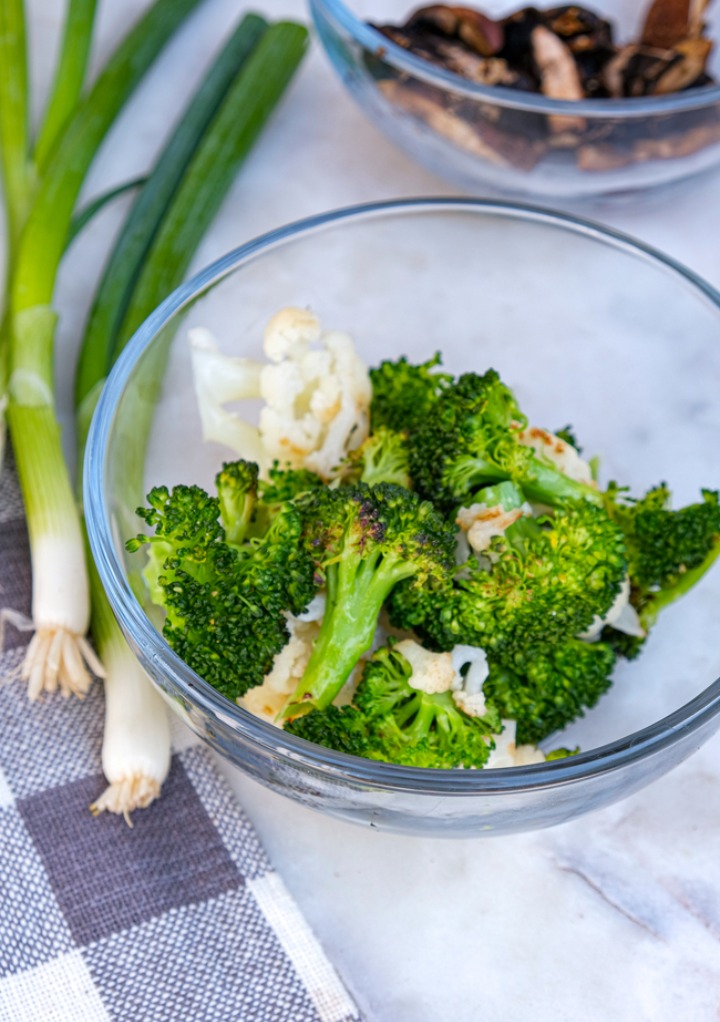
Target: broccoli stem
545	484
541	483
356	591
684	583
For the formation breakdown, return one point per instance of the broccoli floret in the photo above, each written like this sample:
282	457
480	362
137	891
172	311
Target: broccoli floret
668	551
543	581
364	540
282	486
391	721
225	604
470	441
403	395
237	486
545	689
382	458
343	728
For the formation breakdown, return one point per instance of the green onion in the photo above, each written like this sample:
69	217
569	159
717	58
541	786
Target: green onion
146	215
14	162
69	78
58	655
83	216
230	137
14	146
166	224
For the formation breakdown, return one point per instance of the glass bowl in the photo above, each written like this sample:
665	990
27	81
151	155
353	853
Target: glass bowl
478	136
589	327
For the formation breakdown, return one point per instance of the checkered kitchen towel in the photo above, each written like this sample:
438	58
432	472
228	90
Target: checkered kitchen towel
180	918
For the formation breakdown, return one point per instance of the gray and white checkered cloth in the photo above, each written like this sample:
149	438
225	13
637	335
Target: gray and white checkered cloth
180	918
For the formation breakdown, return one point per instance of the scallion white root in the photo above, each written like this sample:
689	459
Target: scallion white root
59	657
136	741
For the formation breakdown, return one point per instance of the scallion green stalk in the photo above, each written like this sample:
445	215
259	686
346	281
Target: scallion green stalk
15	165
14	144
59	656
148	211
69	78
177	205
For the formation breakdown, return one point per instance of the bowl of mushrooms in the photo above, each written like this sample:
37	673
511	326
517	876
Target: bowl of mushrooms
563	103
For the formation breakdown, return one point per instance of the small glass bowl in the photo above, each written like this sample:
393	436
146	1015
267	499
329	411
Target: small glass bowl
487	136
588	326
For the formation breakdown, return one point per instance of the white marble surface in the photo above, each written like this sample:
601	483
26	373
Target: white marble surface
616	916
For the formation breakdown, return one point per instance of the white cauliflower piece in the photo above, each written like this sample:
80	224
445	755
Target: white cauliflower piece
441	672
482	523
317	393
507	754
526	755
269	699
219	379
562	454
622	616
468	691
431	672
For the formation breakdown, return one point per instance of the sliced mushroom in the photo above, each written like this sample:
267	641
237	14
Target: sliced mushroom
590	40
607	156
666	24
643	71
463	126
559	76
453	55
669	22
479	32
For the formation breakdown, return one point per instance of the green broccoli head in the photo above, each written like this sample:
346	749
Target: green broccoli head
382	458
403	395
237	488
546	689
363	541
391	721
417	728
342	728
471	441
543	581
283	485
225	604
668	550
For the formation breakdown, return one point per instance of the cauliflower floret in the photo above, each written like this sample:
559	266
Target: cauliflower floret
482	523
507	754
526	755
441	672
317	398
468	690
622	616
431	672
562	454
269	699
219	379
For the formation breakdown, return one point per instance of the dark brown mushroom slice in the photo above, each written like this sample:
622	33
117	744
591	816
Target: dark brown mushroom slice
480	33
628	141
559	79
590	40
666	24
468	125
453	55
644	71
518	49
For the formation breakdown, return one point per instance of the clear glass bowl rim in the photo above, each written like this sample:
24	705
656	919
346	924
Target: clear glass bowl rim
630	108
647	742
